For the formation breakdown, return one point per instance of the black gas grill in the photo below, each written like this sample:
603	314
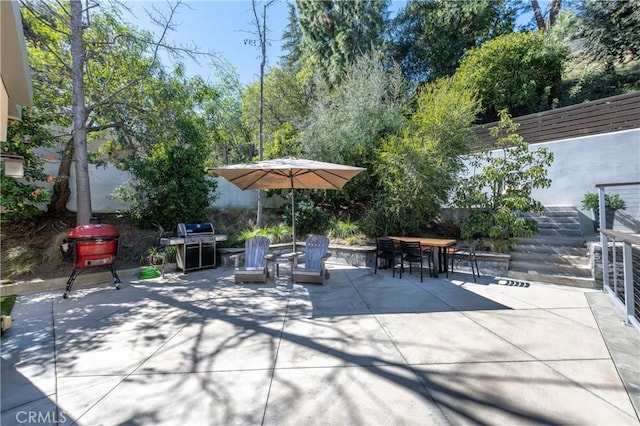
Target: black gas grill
196	245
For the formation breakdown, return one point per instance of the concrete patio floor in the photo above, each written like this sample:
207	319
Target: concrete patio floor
362	349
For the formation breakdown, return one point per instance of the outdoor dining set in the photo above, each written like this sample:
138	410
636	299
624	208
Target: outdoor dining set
435	253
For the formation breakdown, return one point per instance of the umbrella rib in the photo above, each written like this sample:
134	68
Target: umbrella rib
255	172
323	178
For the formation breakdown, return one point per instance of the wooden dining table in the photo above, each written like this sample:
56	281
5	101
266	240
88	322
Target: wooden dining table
437	244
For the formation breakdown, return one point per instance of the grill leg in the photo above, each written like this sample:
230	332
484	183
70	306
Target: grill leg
114	275
70	282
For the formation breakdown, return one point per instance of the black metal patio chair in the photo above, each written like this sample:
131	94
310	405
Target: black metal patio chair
465	252
389	252
413	252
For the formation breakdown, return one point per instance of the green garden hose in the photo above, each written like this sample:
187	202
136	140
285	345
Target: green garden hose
149	272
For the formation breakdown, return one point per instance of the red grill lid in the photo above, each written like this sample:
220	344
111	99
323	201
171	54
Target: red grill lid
94	231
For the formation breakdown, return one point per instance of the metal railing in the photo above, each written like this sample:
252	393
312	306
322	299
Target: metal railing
621	279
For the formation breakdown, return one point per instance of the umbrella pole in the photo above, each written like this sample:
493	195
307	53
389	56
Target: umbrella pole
293	218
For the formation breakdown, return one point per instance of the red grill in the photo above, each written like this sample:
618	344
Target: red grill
91	246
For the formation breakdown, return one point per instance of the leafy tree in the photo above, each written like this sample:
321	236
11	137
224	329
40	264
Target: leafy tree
292	40
612	29
335	32
49	42
47	38
348	126
499	189
515	71
288	96
231	139
416	169
117	63
169	147
20	198
284	142
429	38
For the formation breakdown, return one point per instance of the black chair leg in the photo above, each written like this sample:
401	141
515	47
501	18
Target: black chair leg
445	262
477	270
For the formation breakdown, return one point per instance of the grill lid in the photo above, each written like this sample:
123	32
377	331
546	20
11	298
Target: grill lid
93	231
192	229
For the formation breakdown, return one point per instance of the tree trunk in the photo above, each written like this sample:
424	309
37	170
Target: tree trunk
554	11
555	6
61	191
538	14
262	32
83	189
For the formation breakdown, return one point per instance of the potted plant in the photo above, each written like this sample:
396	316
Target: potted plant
612	202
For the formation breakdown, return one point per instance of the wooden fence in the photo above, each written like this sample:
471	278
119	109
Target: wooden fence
612	114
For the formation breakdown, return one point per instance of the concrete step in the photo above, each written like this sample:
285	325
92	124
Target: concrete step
552	279
556	254
552	259
559	232
554	241
560	210
549	250
564	224
557	218
550	269
554	212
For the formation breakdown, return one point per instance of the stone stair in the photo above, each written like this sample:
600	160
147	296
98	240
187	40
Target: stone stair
556	254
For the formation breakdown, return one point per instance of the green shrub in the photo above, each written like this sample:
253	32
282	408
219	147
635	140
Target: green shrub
342	229
309	218
498	245
280	233
6	304
497	195
169	185
612	202
170	254
19	261
346	232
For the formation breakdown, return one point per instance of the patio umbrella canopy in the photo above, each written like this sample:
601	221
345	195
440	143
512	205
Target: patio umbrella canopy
287	173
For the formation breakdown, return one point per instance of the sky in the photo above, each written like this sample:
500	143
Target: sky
222	26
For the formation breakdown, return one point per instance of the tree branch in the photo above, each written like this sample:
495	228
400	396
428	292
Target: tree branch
167	25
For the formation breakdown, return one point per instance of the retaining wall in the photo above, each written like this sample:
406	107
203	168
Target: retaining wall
579	164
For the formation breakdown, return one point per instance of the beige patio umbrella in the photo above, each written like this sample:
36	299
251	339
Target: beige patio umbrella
287	173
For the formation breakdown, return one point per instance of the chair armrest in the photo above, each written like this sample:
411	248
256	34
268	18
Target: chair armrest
236	259
270	257
294	257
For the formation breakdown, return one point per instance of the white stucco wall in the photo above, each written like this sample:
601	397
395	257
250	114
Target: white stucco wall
581	163
104	180
230	195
